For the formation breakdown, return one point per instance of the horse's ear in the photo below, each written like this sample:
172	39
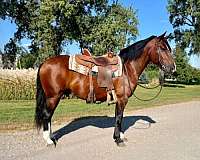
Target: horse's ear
162	36
170	36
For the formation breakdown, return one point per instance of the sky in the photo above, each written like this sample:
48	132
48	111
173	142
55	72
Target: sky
152	16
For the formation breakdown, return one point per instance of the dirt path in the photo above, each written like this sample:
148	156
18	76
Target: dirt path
175	135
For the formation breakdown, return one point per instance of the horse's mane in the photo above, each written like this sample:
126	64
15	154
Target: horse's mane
134	51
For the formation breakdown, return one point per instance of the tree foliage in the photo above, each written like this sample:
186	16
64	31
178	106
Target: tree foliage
185	18
9	55
115	29
185	73
51	25
26	60
93	24
20	12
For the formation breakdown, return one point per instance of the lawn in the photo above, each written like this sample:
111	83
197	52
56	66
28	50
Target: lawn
20	114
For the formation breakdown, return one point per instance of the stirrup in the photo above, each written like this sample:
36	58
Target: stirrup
111	97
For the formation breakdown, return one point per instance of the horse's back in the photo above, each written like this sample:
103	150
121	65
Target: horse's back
57	63
57	60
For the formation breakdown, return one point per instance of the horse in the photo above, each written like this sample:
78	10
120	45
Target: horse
55	79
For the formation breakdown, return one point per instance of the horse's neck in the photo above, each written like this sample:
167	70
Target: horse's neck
140	64
134	68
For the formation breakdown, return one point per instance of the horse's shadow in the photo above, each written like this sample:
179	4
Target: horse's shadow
100	122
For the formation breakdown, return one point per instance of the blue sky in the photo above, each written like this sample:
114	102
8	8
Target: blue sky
152	15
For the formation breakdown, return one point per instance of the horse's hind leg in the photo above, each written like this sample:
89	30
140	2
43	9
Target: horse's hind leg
48	113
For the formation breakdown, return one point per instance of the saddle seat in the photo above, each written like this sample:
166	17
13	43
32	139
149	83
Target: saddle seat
89	61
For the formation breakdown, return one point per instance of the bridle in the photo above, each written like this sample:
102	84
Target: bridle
158	45
159	55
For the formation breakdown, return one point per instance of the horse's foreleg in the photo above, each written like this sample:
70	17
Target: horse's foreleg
118	135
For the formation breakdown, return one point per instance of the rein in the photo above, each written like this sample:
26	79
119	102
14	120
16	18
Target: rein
161	82
150	99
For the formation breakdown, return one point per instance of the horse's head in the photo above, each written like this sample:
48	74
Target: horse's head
161	54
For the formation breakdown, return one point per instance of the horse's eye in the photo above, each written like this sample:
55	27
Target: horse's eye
164	49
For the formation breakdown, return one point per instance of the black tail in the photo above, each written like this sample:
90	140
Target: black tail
40	103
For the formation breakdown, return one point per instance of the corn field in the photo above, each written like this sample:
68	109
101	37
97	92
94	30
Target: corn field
17	84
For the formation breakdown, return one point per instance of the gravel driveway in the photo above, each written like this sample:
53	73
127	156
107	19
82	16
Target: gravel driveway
170	132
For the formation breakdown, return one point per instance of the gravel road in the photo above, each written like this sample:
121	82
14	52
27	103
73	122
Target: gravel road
170	132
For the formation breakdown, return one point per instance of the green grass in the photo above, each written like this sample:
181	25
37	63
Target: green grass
20	114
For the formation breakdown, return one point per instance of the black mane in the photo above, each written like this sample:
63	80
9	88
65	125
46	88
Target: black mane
134	51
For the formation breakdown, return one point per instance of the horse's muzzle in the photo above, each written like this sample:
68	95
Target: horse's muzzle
169	68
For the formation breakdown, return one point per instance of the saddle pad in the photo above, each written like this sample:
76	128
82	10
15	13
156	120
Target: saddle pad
74	66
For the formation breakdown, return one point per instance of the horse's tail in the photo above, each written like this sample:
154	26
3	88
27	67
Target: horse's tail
40	102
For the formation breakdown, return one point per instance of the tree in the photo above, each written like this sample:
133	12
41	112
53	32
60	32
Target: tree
20	12
185	73
185	18
93	24
50	24
1	61
9	55
196	76
115	29
26	60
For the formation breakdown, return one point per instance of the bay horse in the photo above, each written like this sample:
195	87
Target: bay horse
55	79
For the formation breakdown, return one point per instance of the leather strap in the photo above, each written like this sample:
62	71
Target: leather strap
91	96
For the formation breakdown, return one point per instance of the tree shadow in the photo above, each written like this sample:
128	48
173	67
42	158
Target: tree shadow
100	122
174	85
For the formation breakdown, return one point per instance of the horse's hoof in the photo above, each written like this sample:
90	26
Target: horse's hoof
123	137
111	102
54	141
51	142
120	143
51	145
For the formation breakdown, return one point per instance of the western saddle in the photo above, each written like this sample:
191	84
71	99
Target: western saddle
106	66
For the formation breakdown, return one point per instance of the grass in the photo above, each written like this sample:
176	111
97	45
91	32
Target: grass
20	114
